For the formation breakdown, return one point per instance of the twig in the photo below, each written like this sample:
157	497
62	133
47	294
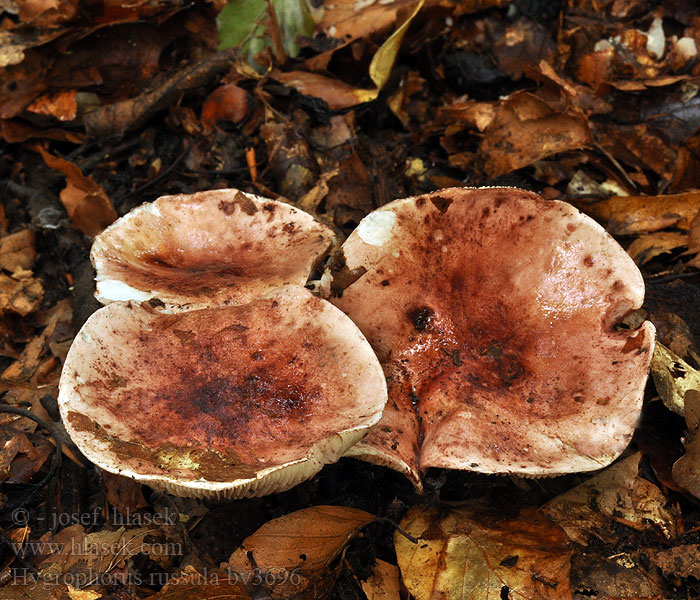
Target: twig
276	35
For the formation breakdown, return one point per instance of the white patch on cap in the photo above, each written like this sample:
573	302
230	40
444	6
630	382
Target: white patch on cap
114	290
375	228
150	207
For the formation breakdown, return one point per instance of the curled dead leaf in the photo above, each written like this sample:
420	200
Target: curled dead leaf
87	204
615	495
649	246
297	550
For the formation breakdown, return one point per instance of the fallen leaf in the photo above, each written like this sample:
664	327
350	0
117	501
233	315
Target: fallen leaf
337	94
674	333
20	293
680	561
686	470
14	444
649	246
192	585
76	594
14	131
526	129
468	114
620	576
17	250
383	583
296	551
93	554
349	19
466	552
88	206
123	493
616	494
227	102
61	105
340	95
630	215
383	60
694	241
47	13
673	377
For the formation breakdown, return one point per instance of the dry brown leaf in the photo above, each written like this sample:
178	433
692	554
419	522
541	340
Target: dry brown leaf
60	105
649	246
14	444
15	132
630	215
297	551
694	241
349	19
192	585
640	147
686	470
617	493
227	102
123	493
31	591
20	294
46	13
465	552
333	92
674	333
17	250
526	129
383	583
680	561
88	206
93	554
468	114
618	576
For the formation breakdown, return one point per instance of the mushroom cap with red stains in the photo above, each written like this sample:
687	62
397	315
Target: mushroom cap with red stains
494	314
207	249
221	402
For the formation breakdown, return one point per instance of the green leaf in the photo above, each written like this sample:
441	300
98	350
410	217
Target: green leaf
245	23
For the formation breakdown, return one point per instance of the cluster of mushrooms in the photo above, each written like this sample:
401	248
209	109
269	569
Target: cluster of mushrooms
473	329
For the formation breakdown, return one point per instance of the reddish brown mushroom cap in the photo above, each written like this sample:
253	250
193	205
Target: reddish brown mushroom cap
207	249
494	314
228	401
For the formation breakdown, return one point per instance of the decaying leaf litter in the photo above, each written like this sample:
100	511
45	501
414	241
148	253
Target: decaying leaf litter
339	109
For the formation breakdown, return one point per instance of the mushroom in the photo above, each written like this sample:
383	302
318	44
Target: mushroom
207	249
221	402
495	315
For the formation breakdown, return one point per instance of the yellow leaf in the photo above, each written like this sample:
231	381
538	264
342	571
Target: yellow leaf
673	377
384	582
383	61
466	552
